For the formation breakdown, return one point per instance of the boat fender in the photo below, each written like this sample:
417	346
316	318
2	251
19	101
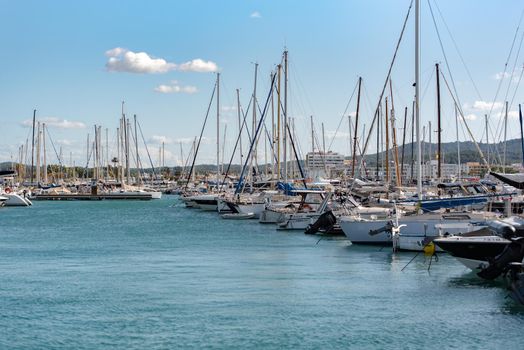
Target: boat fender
7	190
429	248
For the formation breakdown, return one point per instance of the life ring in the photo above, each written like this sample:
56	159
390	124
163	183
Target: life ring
7	190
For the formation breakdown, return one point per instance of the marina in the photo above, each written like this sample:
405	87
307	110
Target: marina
328	186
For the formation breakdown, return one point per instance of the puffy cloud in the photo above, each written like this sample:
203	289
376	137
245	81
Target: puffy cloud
255	14
175	87
513	114
486	106
124	60
158	140
57	123
470	116
198	65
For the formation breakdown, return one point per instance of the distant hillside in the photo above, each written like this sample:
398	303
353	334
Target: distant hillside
468	152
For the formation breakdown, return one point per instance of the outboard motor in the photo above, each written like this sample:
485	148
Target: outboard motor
514	252
325	221
503	229
387	228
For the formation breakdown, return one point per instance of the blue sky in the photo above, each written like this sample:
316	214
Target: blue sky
54	58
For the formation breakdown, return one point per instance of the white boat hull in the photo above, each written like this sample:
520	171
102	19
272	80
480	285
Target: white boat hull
415	231
15	200
269	216
255	208
297	221
357	231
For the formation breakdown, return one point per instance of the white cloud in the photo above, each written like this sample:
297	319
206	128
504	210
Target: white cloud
124	60
198	65
255	14
487	106
158	140
513	114
117	51
506	75
57	123
501	75
175	87
470	116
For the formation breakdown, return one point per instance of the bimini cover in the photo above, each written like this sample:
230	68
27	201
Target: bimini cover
515	180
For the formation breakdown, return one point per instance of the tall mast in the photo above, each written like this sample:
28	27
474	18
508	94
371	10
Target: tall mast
253	126
122	140
128	163
285	114
194	151
487	135
33	148
95	153
458	143
218	127
279	128
255	149
293	157
118	158
45	158
350	134
88	147
403	144
323	140
505	138
239	128
430	175
136	150
312	135
223	149
423	147
378	139
417	97
394	134
412	141
439	126
38	140
521	134
107	153
356	130
387	142
272	149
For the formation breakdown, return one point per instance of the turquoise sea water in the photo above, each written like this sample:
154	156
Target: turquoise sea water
149	275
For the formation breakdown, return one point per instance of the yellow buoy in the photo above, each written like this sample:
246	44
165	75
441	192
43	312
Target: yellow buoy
429	249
